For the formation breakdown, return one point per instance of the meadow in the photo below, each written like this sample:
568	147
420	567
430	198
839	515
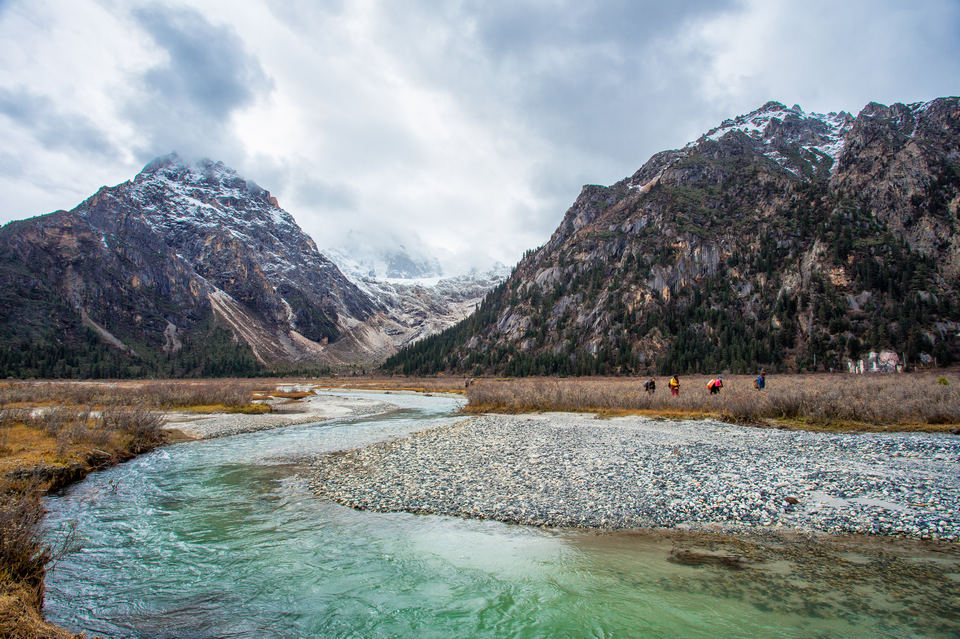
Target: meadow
921	401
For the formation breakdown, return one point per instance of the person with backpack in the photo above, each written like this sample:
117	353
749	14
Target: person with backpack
761	380
715	385
650	385
674	386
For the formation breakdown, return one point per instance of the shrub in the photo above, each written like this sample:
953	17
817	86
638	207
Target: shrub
872	400
22	557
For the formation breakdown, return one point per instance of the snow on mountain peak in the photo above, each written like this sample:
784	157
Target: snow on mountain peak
774	124
203	173
206	192
185	200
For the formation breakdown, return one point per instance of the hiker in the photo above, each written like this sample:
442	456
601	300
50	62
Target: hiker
674	386
650	385
761	380
715	385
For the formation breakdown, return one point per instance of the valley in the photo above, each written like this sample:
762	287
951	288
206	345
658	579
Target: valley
697	529
813	246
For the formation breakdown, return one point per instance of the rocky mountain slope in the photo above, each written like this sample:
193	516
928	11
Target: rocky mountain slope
417	300
415	308
186	269
780	238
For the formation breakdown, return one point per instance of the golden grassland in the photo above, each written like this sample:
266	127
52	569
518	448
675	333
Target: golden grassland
919	401
206	395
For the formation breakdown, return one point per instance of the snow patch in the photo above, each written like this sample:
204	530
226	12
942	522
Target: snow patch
821	134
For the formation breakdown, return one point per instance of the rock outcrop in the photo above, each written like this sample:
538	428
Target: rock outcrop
780	238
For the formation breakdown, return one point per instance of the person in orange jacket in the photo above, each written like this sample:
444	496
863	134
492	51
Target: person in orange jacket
715	385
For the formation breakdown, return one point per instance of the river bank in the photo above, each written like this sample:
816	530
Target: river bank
243	505
573	470
311	407
45	447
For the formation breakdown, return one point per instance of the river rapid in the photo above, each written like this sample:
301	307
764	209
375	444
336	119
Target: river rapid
224	538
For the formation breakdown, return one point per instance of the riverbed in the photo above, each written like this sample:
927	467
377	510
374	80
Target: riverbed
225	538
575	470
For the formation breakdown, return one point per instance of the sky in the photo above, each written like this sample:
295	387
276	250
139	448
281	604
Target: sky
460	129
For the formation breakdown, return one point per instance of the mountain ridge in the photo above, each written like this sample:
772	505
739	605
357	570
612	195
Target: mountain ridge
186	269
778	239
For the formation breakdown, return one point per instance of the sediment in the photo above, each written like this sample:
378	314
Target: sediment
571	470
312	409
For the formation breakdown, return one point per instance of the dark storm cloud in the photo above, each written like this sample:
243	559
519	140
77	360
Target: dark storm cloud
51	125
185	103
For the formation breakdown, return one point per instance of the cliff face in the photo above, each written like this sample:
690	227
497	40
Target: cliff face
187	268
779	239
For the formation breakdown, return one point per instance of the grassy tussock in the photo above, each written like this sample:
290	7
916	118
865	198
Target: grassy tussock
230	394
839	400
23	560
62	435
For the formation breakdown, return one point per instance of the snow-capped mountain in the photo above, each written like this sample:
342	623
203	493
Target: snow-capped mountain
779	238
189	268
186	269
417	307
788	132
395	263
408	286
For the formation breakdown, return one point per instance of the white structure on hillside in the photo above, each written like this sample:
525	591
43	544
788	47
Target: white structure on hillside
882	362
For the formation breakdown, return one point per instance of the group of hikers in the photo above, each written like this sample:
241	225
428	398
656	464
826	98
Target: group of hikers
714	385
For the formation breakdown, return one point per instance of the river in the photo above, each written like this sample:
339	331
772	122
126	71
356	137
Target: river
223	538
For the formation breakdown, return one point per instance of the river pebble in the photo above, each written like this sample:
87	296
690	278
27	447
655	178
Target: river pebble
571	470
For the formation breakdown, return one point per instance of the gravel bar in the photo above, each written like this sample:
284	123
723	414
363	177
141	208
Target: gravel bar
315	408
571	470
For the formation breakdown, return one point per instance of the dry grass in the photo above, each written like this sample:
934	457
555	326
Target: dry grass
20	616
23	560
395	383
230	395
839	401
34	438
286	395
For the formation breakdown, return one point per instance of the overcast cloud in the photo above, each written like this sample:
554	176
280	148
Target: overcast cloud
464	127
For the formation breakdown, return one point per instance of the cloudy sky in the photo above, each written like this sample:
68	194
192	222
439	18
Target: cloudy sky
465	128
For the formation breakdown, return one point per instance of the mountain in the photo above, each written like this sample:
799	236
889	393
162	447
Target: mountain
780	238
188	269
415	308
383	256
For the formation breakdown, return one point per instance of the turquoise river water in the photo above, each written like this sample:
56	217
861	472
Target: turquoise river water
223	538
